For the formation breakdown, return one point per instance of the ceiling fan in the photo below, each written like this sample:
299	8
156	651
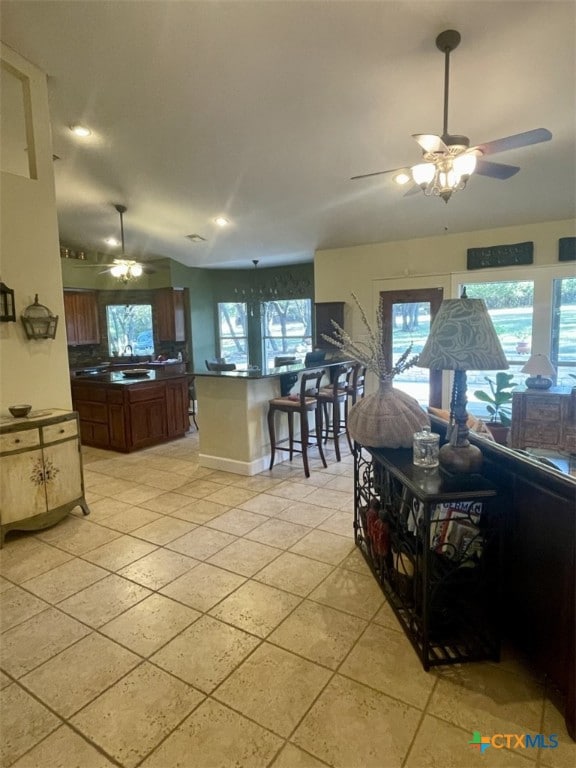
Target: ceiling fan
449	160
123	268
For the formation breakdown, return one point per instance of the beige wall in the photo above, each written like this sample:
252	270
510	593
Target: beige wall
422	263
33	372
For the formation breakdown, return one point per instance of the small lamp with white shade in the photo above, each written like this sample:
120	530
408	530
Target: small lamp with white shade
541	372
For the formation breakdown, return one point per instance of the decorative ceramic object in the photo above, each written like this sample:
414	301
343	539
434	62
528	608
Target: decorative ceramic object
388	418
19	411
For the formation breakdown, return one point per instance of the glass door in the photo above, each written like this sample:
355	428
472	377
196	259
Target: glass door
407	318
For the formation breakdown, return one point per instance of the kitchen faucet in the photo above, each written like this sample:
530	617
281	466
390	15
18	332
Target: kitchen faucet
129	347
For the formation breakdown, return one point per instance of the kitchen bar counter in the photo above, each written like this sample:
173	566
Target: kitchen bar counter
125	414
232	413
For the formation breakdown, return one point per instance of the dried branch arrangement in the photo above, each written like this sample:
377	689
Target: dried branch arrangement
371	352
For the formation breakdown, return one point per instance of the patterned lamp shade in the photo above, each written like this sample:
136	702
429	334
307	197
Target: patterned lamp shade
463	338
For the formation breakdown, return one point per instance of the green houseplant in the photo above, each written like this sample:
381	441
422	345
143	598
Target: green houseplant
498	402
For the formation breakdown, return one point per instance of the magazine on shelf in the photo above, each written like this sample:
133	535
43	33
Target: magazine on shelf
445	520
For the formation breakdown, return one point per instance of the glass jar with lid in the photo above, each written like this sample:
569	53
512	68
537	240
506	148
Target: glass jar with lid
426	445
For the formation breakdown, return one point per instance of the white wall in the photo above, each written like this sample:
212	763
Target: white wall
34	372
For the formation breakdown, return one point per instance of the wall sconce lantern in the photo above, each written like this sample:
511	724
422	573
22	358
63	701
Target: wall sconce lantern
7	312
39	322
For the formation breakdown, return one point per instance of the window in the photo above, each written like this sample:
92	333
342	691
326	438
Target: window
130	329
286	329
233	332
510	305
563	347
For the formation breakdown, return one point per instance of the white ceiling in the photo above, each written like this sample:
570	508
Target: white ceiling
261	111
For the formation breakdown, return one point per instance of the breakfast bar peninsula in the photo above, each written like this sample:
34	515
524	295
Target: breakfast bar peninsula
232	413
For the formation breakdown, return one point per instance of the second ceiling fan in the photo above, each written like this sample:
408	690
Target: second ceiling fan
123	268
448	160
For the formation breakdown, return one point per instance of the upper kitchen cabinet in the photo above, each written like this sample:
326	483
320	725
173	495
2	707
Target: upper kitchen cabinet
170	307
81	309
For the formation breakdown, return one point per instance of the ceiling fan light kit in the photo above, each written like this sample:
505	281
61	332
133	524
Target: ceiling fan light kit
448	160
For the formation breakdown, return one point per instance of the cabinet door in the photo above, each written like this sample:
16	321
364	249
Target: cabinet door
70	314
177	399
170	314
87	327
62	473
23	490
81	308
148	423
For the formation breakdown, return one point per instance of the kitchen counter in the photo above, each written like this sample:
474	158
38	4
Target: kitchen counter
232	414
126	414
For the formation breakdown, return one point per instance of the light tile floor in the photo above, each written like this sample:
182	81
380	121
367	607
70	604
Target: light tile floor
200	619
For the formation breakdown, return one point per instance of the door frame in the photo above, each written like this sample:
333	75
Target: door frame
388	299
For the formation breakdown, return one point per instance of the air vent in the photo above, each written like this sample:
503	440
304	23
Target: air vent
196	238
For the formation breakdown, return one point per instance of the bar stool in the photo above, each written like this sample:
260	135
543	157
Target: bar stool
333	401
302	404
356	391
192	400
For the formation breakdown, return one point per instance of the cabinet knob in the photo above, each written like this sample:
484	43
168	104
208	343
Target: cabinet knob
62	431
17	440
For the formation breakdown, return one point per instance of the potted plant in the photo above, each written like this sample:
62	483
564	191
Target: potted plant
498	404
523	344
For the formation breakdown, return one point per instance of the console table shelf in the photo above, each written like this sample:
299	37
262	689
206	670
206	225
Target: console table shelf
433	542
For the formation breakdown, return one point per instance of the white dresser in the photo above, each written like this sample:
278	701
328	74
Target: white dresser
40	470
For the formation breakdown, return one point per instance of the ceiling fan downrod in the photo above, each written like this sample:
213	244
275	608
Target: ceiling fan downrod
446	42
121	210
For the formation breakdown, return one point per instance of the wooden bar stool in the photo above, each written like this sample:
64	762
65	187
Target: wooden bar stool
334	400
302	404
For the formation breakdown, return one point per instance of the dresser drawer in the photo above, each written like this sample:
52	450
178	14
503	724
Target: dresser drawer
61	431
540	408
16	441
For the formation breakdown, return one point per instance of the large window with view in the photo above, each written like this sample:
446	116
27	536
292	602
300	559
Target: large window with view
510	304
563	347
286	329
130	330
233	332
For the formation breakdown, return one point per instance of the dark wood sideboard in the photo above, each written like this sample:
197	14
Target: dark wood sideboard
539	591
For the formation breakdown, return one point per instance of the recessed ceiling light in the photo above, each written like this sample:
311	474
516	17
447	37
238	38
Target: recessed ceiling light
196	238
222	221
80	130
112	241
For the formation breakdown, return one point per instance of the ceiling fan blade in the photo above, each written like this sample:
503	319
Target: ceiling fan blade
414	189
376	173
495	170
516	141
429	142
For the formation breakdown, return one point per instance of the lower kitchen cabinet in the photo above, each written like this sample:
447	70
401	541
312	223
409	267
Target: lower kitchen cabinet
40	470
126	415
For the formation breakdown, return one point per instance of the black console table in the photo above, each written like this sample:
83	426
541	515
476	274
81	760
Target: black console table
434	543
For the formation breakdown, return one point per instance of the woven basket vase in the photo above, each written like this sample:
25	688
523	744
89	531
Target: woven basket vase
386	419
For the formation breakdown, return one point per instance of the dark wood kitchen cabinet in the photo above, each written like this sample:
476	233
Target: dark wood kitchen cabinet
81	310
170	308
125	414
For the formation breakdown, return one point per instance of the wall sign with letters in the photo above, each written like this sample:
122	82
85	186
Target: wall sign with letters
500	256
567	249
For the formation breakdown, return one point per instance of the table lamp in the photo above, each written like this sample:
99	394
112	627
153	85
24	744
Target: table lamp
462	338
540	369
